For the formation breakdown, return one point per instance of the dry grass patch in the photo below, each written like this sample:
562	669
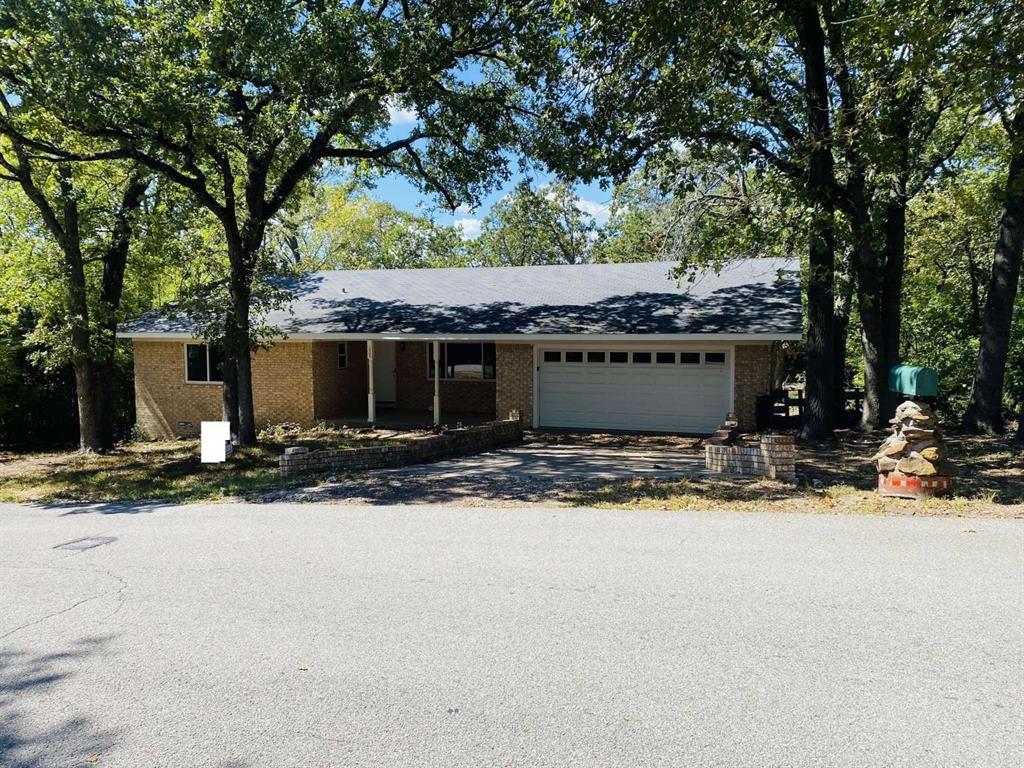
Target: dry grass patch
836	478
168	471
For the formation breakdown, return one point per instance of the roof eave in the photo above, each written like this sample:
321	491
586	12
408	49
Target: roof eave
532	338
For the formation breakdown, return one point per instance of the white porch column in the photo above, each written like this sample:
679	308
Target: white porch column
371	397
437	383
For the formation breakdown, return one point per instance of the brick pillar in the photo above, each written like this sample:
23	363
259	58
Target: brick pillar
514	381
753	379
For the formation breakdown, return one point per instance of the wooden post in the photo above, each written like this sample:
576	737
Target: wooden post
437	383
371	398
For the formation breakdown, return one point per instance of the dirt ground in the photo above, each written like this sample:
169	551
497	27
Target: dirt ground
835	477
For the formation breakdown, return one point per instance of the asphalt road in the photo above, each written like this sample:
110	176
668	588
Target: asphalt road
242	636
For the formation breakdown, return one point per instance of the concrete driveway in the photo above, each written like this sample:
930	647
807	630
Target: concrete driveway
238	636
534	471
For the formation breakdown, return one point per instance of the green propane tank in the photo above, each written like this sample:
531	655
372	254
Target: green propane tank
913	380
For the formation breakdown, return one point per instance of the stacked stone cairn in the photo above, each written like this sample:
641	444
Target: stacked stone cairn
913	461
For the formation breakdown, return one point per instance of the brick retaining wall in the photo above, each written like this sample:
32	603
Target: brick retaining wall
774	457
454	442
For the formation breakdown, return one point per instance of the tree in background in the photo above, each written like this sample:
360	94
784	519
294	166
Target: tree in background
339	228
701	212
951	228
543	225
985	410
87	215
241	102
857	103
66	284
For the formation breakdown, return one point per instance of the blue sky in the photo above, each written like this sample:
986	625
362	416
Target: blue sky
400	193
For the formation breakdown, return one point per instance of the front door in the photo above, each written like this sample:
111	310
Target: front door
384	371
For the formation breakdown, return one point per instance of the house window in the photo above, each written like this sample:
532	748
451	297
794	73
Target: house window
689	358
595	357
574	357
470	362
552	357
666	357
203	363
618	357
342	355
714	358
641	357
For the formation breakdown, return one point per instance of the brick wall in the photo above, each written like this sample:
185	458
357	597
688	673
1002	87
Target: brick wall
753	378
339	392
514	385
162	396
282	383
774	456
167	406
453	442
416	391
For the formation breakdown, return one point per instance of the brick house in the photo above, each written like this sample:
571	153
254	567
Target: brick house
595	346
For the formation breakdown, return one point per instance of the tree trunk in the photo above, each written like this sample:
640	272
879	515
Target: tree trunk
895	238
231	396
115	262
985	410
872	324
87	392
820	346
89	437
238	349
844	301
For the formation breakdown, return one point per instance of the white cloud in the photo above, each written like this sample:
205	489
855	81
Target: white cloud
469	227
400	115
463	208
598	211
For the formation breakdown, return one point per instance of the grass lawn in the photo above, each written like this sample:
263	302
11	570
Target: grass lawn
161	470
837	478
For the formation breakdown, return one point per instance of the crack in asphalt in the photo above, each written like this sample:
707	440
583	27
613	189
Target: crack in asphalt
118	592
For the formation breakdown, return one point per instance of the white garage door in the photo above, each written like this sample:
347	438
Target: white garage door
635	389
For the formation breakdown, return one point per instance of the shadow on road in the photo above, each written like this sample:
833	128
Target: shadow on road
30	742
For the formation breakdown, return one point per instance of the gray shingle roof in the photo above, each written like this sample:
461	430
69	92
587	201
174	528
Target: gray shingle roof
749	296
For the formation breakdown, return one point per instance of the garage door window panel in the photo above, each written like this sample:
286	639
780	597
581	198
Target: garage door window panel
687	396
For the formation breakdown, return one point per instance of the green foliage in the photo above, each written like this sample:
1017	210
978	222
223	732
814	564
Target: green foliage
242	100
336	228
535	226
37	392
32	267
952	230
701	213
37	406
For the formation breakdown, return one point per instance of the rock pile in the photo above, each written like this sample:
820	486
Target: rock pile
914	449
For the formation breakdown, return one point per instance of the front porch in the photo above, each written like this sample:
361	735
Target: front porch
420	383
